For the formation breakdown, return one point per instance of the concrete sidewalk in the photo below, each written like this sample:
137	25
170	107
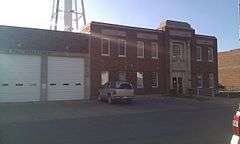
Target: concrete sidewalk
204	99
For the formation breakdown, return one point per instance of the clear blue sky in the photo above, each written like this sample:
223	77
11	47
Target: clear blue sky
211	17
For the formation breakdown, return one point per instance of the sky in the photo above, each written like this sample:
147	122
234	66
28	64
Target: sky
210	17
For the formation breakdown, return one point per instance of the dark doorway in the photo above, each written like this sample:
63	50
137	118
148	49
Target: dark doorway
177	83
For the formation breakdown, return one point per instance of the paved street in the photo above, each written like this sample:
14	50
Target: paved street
166	121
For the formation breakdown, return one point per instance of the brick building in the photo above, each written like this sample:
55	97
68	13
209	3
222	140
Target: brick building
229	69
153	60
43	65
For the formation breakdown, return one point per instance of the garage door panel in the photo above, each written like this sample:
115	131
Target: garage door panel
19	78
65	78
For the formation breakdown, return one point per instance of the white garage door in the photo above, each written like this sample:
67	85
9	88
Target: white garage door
65	78
19	78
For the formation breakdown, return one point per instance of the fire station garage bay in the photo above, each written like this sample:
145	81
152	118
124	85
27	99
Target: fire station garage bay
42	65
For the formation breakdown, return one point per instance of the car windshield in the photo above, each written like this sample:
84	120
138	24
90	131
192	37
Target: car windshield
125	86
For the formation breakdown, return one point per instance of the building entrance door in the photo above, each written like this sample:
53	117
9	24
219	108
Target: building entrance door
177	83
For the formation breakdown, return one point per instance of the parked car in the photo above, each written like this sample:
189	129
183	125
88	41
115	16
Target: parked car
236	128
116	91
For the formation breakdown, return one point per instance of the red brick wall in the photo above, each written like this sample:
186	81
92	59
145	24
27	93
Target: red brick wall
229	68
131	64
204	67
42	40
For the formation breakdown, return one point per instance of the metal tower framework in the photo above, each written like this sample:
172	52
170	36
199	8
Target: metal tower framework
71	16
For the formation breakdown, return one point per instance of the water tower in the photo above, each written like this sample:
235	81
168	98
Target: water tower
67	15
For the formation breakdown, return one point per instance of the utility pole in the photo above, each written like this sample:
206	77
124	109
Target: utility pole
63	12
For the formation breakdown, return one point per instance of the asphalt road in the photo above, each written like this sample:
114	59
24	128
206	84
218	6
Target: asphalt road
205	125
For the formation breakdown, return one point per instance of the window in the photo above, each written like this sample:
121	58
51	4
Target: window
199	53
211	80
5	84
19	84
140	49
78	84
199	81
105	47
154	50
122	45
52	84
178	52
104	77
210	54
154	79
140	80
122	76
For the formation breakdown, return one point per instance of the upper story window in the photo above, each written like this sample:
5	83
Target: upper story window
199	53
122	46
177	52
154	50
211	80
105	51
210	54
199	81
140	49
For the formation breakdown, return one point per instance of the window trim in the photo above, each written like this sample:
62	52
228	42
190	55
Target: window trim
142	80
200	53
138	44
125	48
156	79
200	77
154	43
212	58
103	54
